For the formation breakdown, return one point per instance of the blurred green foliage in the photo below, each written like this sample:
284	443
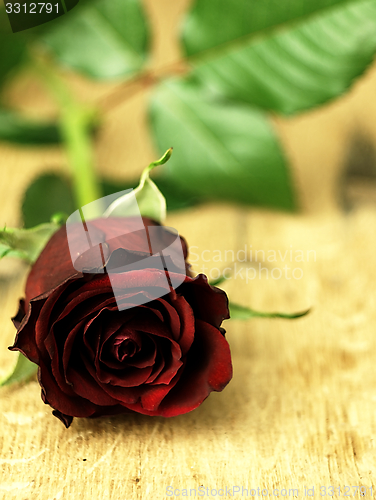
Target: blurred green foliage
247	60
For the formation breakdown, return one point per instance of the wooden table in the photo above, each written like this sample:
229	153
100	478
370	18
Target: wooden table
300	410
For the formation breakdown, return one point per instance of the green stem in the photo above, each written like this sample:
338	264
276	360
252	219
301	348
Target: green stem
76	123
76	135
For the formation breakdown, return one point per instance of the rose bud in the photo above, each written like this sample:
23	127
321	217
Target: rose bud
161	355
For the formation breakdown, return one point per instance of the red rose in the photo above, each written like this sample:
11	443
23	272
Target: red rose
162	357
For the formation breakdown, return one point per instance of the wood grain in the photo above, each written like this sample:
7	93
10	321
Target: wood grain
300	410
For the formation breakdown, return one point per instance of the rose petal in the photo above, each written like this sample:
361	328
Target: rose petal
66	419
129	377
44	320
124	395
55	397
57	364
25	337
53	266
187	321
91	336
170	316
118	235
172	351
145	355
86	386
84	304
92	341
209	303
172	361
21	313
25	341
208	368
148	323
158	366
152	398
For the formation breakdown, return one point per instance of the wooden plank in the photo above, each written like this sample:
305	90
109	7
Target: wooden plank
300	410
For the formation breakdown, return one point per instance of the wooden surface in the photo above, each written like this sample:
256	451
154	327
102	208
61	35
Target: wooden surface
300	411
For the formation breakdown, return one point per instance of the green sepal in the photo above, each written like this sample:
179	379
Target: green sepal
21	372
26	244
151	202
59	218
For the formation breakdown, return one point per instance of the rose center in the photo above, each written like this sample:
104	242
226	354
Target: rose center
124	348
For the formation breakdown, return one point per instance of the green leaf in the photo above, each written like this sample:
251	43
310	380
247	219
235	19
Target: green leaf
151	202
241	312
14	128
101	38
300	67
45	196
13	49
21	372
212	23
221	150
26	244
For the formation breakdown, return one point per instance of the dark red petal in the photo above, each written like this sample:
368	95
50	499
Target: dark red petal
187	321
111	410
126	380
170	316
25	337
172	362
91	339
83	304
218	364
21	313
129	377
70	342
158	366
86	386
144	355
43	322
55	397
66	419
126	233
99	330
171	350
151	398
123	395
147	322
208	368
56	352
25	340
141	279
53	266
209	303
